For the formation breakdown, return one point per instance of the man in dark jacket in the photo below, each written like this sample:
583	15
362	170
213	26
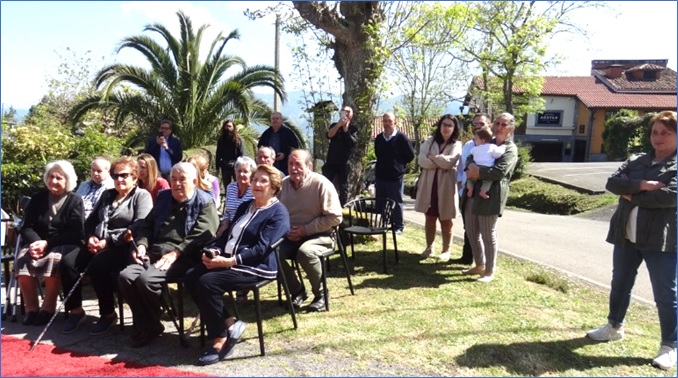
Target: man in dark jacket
168	243
165	148
343	135
281	138
394	150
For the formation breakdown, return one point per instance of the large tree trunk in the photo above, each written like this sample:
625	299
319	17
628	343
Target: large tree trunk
356	44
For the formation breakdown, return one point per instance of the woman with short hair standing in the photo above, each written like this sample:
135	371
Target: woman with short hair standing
643	228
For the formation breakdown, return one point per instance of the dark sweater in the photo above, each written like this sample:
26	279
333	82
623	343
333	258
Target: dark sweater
184	227
228	152
341	145
66	228
392	156
288	140
252	252
129	214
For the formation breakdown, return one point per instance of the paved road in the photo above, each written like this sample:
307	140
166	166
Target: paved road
588	177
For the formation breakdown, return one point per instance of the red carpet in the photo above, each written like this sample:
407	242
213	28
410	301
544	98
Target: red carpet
47	360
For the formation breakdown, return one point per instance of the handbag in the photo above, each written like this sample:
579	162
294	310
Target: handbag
415	187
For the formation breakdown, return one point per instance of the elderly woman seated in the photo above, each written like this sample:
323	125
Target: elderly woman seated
240	257
107	251
52	228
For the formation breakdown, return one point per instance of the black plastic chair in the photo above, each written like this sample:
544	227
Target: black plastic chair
371	216
325	267
255	289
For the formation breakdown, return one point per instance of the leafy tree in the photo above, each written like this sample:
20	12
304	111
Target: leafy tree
509	43
352	31
423	70
196	95
9	116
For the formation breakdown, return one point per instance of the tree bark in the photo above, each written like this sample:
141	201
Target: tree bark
356	44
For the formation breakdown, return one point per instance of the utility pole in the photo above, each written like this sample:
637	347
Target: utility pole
276	98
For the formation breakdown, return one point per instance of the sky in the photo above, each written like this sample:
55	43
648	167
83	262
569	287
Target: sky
34	33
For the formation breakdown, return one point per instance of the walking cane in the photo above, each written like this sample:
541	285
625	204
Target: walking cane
59	309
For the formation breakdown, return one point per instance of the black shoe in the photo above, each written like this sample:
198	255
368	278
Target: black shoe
461	261
103	325
30	318
43	318
317	305
299	298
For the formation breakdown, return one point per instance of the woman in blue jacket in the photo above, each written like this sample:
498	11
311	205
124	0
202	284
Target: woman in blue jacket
242	256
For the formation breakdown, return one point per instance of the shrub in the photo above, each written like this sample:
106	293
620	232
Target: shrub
532	194
625	134
27	149
524	159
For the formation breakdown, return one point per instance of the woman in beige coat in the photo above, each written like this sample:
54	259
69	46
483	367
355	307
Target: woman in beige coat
438	158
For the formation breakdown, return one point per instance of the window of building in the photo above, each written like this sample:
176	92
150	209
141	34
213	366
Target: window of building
649	75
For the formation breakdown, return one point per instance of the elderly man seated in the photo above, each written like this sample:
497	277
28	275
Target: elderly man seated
100	181
314	207
168	243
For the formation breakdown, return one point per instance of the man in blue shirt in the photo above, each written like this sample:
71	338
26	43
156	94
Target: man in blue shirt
480	120
100	181
165	148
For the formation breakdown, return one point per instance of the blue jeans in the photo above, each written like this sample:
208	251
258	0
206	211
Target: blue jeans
393	190
662	268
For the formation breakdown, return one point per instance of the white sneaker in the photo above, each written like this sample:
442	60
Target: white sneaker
666	358
444	257
427	252
486	279
606	333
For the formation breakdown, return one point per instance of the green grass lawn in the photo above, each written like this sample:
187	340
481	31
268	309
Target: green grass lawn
427	317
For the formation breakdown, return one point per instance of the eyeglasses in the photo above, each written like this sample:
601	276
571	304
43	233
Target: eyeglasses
123	176
448	124
478	124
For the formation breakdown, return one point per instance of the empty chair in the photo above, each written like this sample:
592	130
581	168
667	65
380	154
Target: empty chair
371	216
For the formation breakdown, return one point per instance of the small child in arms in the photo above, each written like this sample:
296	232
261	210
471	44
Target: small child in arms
484	154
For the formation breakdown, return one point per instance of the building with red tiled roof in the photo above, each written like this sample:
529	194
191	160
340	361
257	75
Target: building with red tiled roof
576	107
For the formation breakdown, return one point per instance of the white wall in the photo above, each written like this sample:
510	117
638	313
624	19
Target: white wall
566	105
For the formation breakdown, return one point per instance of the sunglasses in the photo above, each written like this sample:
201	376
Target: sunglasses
124	176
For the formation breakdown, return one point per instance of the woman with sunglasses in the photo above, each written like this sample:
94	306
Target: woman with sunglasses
106	251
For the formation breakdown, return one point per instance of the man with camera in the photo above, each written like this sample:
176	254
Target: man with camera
343	135
165	148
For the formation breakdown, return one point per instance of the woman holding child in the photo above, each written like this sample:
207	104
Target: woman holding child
438	158
482	213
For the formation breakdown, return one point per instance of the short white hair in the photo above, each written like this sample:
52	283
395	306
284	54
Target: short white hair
247	161
67	169
186	168
508	116
267	148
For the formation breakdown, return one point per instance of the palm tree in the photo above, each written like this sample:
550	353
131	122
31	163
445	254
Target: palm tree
195	95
